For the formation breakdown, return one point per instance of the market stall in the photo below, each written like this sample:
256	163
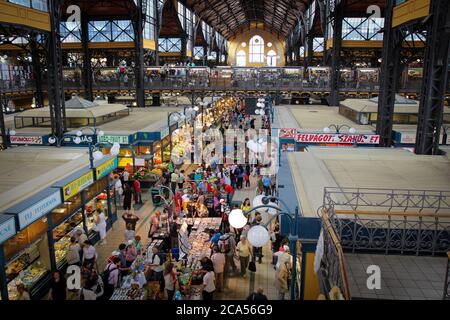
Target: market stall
292	76
367	77
222	76
26	255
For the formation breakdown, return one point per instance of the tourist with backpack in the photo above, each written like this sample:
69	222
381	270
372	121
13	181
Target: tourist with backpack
110	277
227	246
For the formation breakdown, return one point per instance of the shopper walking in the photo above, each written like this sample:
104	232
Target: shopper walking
129	233
218	260
266	185
130	253
73	253
282	279
130	218
110	277
154	223
89	255
208	283
100	223
118	188
127	197
170	281
58	287
244	251
258	295
138	191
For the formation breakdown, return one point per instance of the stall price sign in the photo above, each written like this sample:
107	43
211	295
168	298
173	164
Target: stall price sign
337	138
103	170
25	140
76	186
113	139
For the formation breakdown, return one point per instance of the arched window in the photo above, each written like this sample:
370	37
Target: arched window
241	59
271	58
256	50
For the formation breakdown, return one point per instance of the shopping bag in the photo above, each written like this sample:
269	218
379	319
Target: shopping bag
252	266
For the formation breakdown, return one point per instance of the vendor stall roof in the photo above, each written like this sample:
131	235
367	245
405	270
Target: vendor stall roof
26	171
88	112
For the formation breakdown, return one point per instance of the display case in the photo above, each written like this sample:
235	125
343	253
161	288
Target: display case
28	258
199	76
347	77
269	76
222	76
367	77
319	76
62	234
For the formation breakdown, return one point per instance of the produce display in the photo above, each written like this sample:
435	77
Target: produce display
61	248
16	266
29	277
199	239
128	294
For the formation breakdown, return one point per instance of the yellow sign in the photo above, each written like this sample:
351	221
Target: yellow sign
106	168
410	10
76	186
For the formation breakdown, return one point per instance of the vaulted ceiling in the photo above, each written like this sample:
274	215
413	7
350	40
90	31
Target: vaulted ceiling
232	16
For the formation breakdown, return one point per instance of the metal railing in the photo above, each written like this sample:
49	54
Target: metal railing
332	270
390	221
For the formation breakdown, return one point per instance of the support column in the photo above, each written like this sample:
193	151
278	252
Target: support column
389	78
2	120
158	15
138	25
37	70
434	79
308	62
54	61
87	66
338	16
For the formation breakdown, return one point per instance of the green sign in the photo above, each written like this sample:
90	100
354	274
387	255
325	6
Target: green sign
164	133
103	170
114	139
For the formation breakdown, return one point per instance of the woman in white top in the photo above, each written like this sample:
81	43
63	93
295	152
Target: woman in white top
101	226
208	285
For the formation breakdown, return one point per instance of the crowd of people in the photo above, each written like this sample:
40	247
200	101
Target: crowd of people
207	191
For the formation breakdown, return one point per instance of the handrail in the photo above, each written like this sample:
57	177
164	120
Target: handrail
342	269
399	214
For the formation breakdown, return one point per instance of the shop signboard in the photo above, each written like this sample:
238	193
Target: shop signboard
39	209
79	184
408	137
7	227
173	127
105	168
35	140
139	162
164	133
84	139
287	133
114	139
330	138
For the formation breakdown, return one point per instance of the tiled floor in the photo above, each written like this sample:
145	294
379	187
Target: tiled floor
402	277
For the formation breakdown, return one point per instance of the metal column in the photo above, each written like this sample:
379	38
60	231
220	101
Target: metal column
138	26
434	79
389	78
338	17
87	66
39	95
54	61
2	120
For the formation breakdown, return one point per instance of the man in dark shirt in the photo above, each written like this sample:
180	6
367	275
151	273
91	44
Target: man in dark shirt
257	296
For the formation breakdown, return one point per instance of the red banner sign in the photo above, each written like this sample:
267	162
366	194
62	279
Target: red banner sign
25	140
327	138
287	133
